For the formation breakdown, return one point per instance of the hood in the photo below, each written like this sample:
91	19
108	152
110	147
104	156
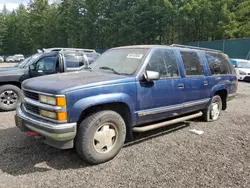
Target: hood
246	70
65	82
11	74
8	68
11	71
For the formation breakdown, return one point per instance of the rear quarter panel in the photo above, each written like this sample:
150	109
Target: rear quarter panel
220	82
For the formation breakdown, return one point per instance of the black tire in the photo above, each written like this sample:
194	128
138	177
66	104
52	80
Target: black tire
207	113
4	106
85	143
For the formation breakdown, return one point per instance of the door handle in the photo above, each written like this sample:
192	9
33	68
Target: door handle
205	83
181	86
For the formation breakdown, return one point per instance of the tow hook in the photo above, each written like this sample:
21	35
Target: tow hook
31	133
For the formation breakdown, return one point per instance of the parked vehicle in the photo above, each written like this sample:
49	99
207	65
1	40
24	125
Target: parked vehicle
92	57
1	59
18	57
10	59
127	89
40	64
242	69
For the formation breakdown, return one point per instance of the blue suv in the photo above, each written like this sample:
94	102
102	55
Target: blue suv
127	89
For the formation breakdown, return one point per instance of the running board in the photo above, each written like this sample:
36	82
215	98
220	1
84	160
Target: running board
165	123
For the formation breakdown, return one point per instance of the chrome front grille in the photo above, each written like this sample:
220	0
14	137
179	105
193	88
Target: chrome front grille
31	95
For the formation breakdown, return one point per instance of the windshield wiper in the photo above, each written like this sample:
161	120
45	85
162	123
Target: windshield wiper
108	68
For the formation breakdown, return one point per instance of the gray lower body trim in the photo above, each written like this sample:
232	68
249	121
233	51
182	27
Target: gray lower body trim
195	103
159	110
172	108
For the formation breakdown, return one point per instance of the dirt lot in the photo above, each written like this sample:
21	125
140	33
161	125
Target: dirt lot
172	158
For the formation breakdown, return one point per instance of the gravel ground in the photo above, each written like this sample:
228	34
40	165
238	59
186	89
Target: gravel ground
170	157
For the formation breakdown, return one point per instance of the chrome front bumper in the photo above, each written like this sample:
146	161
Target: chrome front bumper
52	132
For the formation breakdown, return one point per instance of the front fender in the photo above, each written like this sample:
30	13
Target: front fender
83	104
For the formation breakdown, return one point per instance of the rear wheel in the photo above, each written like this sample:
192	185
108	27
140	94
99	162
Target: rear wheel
10	95
212	113
100	136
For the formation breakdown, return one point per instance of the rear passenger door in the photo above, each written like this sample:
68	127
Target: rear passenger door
195	82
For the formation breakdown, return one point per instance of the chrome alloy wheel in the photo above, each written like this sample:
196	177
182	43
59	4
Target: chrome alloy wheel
215	111
8	97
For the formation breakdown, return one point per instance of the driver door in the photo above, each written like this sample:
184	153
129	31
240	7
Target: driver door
163	98
44	66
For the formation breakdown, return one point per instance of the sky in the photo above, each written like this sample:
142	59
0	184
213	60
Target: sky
13	4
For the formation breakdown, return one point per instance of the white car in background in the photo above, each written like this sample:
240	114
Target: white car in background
1	59
18	57
242	69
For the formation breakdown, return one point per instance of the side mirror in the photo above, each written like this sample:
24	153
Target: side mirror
31	67
151	75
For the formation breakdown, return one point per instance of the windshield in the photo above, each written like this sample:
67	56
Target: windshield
22	63
120	61
245	65
26	61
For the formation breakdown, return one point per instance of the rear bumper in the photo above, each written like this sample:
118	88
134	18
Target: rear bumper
57	135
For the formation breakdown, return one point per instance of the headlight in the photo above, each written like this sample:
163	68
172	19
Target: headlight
242	73
60	116
48	114
56	101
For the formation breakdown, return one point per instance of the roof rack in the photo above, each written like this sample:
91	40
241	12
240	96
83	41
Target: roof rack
68	49
197	48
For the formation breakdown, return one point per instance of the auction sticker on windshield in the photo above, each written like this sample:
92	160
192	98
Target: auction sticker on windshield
135	56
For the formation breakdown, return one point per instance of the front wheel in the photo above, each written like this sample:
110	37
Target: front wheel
100	136
10	95
212	113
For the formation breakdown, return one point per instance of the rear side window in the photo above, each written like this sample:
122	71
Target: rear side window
219	63
192	63
164	62
74	60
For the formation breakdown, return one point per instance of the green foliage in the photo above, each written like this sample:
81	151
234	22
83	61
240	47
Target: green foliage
109	23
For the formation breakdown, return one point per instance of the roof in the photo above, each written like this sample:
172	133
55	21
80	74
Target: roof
177	46
138	46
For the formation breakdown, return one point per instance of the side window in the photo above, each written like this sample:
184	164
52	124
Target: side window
74	61
192	63
218	63
164	62
46	64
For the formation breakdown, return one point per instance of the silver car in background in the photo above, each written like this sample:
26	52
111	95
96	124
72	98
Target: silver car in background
1	59
10	59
